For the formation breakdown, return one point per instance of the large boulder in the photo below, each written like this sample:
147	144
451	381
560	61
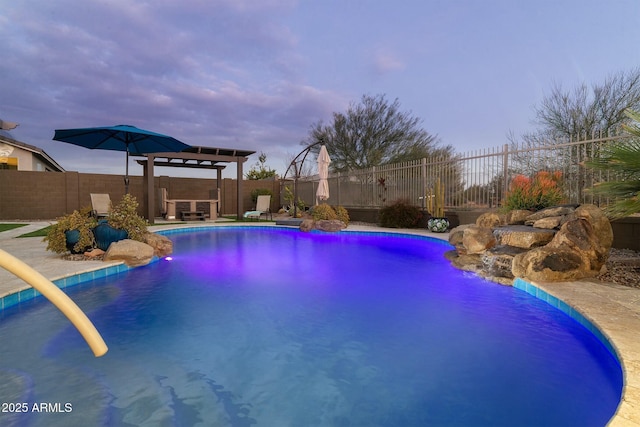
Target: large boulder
132	252
578	235
465	262
477	239
521	236
162	245
549	223
601	226
330	225
306	225
490	219
549	212
517	216
578	250
498	261
456	235
546	264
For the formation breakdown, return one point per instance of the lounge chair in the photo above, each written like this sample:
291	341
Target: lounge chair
263	207
100	205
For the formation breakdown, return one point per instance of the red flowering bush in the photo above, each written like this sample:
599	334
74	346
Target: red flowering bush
539	192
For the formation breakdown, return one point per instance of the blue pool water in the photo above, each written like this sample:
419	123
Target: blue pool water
273	327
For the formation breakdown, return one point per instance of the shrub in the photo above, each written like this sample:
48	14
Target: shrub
124	216
342	214
80	220
260	192
534	194
325	211
400	214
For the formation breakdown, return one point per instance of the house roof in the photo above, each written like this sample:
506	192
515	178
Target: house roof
38	152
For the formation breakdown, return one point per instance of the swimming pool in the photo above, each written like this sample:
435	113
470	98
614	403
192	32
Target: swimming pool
266	326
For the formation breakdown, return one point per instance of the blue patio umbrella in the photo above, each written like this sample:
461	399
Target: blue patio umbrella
121	138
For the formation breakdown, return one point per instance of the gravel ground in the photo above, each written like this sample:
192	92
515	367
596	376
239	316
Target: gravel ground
622	268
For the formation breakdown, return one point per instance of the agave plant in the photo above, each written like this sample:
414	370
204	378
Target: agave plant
622	159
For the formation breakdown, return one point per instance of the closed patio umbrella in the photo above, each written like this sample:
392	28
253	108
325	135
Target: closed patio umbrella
323	170
121	138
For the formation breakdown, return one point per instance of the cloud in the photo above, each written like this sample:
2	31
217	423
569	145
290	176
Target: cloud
257	74
221	73
385	62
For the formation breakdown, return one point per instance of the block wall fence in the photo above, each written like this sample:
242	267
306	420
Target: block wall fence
28	195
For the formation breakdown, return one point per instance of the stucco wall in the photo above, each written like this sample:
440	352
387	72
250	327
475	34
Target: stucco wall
30	195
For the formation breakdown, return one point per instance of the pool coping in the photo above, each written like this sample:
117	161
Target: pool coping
614	321
612	313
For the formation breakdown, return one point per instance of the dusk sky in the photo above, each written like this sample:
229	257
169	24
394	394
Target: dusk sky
255	75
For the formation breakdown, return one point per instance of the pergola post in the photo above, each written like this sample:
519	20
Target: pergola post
240	202
219	188
149	190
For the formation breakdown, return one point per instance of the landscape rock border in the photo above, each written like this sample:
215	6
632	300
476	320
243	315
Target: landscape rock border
132	252
561	243
328	225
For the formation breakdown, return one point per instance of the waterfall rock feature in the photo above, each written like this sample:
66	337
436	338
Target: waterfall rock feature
552	245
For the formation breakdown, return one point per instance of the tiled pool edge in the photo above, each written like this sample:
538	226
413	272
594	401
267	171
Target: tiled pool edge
28	292
556	302
608	342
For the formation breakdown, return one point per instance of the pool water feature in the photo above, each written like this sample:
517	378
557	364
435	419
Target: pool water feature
267	326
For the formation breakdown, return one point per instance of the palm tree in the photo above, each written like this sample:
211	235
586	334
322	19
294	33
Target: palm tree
622	159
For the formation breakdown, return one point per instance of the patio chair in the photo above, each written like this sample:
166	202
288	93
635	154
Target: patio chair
163	196
100	205
263	207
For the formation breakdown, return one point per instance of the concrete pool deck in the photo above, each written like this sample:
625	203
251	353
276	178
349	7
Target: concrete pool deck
614	309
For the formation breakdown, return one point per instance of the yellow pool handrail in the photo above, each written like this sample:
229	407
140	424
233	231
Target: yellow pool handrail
57	298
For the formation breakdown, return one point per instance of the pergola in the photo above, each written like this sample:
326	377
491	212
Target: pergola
193	157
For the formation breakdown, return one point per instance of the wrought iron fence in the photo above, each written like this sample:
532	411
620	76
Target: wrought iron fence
472	180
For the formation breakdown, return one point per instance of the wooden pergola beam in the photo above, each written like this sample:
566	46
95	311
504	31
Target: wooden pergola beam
204	157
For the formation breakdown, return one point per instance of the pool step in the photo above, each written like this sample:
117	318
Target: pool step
289	222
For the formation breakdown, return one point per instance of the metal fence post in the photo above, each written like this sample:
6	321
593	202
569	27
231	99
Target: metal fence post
338	187
505	169
373	188
424	183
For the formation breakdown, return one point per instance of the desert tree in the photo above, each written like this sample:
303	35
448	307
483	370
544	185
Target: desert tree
578	114
585	110
260	170
374	132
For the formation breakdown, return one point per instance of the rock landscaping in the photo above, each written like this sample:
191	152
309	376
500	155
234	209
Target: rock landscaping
561	243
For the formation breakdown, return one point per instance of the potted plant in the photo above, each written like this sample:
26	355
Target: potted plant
438	223
72	233
122	222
